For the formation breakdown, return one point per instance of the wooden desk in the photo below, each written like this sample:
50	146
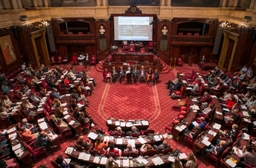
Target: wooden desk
218	118
126	125
185	122
208	65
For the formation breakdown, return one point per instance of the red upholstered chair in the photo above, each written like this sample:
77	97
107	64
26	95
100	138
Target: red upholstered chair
150	45
35	151
199	92
126	47
142	50
166	151
74	60
180	33
93	60
48	109
131	154
135	135
64	133
189	34
80	32
55	165
45	85
196	34
179	61
53	60
177	94
216	159
70	32
146	132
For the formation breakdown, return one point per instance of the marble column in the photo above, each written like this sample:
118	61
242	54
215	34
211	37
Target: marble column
235	3
105	2
19	4
35	3
223	3
162	2
14	4
252	4
46	4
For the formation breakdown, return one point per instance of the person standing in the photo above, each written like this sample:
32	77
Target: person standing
86	60
121	74
142	74
129	74
114	74
135	74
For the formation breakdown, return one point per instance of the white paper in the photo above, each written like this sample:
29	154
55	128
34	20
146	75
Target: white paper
157	138
254	122
109	121
182	156
71	122
87	157
246	136
64	104
226	109
212	133
66	117
243	107
216	126
43	126
206	142
40	120
195	107
219	113
122	124
81	156
12	136
67	160
230	163
126	163
144	122
65	113
118	162
142	160
129	124
247	120
4	131
92	135
119	141
11	130
141	140
157	161
171	159
165	135
15	147
237	151
96	159
69	150
245	114
117	123
103	160
131	142
195	123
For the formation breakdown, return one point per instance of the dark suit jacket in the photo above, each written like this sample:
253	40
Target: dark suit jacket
144	74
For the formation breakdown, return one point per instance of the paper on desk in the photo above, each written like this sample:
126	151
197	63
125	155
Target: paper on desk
219	113
142	160
67	160
129	124
226	109
247	120
69	150
139	123
117	123
81	156
183	81
157	138
40	120
12	136
92	135
126	163
96	159
243	107
54	136
182	156
230	163
182	127
109	121
254	122
188	88
141	140
157	161
216	126
66	117
43	125
17	152
144	122
87	157
245	136
171	158
106	138
71	122
195	123
165	135
11	130
4	131
206	142
103	160
80	105
131	142
122	124
119	141
118	162
15	147
245	114
212	133
195	107
237	151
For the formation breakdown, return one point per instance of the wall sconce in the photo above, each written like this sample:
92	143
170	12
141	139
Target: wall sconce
225	25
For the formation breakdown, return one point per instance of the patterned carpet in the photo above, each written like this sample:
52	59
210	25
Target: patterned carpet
131	102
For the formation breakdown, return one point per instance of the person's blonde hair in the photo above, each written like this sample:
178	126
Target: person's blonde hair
192	157
177	163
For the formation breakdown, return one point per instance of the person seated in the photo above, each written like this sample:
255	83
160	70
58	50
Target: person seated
34	81
82	88
226	133
20	79
218	149
195	132
112	150
228	81
85	144
236	84
6	115
130	149
57	95
52	84
71	75
222	75
252	85
43	140
134	130
117	132
43	92
114	73
27	112
34	98
205	98
212	82
162	146
27	134
24	89
251	102
27	72
6	102
60	160
31	127
176	86
111	163
59	110
241	76
43	68
233	117
196	87
248	155
66	82
146	147
225	97
106	75
172	83
79	97
28	104
58	122
191	161
78	75
100	145
5	88
17	95
177	163
9	163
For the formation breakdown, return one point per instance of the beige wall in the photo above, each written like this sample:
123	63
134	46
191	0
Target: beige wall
11	17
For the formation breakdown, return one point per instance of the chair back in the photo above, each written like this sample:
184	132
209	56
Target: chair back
166	151
29	148
150	153
150	131
55	165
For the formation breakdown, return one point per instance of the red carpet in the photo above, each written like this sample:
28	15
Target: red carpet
131	102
